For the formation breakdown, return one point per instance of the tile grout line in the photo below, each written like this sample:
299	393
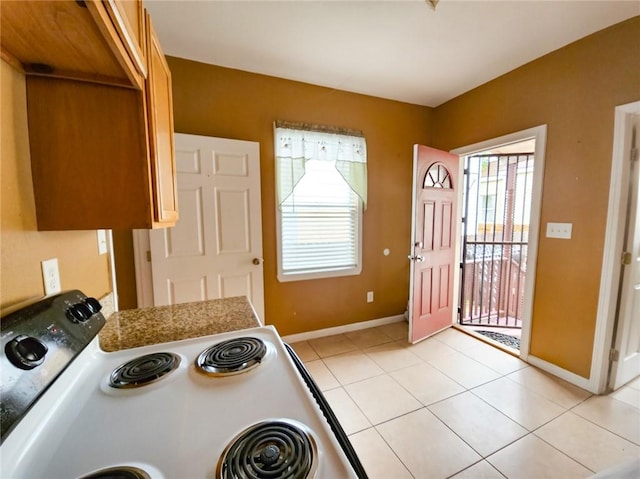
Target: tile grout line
599	425
529	390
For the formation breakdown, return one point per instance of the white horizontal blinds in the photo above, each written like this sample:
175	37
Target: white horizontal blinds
319	222
321	186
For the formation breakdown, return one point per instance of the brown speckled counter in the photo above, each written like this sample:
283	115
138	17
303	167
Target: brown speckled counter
140	327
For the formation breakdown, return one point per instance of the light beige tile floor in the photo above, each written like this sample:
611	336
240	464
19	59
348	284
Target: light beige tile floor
454	407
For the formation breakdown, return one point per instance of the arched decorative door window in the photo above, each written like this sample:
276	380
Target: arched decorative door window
437	176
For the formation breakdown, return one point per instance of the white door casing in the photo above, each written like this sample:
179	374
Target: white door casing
627	329
215	249
539	134
603	370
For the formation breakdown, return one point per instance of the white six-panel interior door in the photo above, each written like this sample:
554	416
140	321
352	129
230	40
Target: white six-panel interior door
215	249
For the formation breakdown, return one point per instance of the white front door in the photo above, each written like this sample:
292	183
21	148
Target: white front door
627	339
215	249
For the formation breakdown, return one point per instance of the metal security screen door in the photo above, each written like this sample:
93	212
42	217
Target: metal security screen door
497	205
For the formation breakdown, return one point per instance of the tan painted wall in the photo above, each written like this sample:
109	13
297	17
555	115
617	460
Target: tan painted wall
22	247
215	101
574	91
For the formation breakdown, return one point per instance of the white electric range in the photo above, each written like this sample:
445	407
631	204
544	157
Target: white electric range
232	405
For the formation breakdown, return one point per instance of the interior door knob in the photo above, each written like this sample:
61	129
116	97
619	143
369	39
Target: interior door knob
257	261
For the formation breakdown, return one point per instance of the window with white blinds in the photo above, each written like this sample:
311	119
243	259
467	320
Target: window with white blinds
319	226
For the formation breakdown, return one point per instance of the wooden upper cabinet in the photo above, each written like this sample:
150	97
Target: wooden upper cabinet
102	151
94	40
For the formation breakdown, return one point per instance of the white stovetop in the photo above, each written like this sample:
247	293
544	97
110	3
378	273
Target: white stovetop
178	426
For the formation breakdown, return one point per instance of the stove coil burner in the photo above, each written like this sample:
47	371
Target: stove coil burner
232	356
275	449
122	472
144	370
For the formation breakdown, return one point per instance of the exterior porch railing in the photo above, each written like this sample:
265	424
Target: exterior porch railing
494	287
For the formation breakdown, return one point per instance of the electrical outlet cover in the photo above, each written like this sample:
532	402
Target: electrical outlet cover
51	276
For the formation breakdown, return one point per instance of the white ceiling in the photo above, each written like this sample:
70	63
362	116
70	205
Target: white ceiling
402	49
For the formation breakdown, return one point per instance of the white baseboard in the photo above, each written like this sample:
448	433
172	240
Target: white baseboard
347	328
557	371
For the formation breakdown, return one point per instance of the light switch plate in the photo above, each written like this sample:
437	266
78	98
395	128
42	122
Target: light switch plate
51	276
559	230
102	241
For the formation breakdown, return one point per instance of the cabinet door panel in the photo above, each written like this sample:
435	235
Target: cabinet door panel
82	178
128	18
160	115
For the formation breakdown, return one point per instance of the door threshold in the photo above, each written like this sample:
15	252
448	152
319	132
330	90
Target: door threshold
487	340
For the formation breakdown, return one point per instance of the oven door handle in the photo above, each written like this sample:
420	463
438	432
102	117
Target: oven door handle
331	418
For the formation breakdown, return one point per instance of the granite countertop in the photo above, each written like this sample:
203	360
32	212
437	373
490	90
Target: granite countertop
141	327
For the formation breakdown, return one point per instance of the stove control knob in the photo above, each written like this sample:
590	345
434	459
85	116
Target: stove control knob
93	304
79	313
26	352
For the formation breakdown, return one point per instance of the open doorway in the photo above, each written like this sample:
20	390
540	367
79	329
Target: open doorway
495	233
500	198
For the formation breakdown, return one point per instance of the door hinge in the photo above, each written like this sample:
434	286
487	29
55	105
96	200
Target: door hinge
626	257
635	154
614	355
465	171
461	265
148	256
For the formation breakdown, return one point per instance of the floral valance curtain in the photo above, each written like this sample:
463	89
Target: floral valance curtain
297	143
